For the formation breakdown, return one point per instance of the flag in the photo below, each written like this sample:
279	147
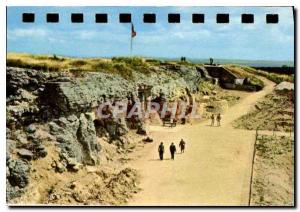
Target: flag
133	33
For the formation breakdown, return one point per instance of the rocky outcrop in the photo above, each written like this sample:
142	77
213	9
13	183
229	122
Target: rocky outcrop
23	90
17	177
65	106
86	135
285	86
17	172
85	93
80	95
77	138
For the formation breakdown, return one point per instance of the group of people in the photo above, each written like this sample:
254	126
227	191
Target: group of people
161	149
218	119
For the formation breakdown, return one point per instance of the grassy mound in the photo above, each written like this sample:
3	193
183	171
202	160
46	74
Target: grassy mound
120	65
252	79
277	78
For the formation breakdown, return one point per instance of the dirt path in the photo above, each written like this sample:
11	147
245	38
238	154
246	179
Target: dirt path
214	170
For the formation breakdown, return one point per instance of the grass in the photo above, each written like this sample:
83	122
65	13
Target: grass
277	78
274	112
242	73
119	65
273	178
123	66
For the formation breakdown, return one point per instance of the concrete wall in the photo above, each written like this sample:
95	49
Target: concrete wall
240	87
221	73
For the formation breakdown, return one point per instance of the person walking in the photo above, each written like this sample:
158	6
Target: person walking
212	117
172	150
219	119
161	150
182	145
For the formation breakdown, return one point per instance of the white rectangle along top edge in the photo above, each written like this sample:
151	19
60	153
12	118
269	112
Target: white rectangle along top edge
149	3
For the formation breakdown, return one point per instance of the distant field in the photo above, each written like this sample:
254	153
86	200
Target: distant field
251	63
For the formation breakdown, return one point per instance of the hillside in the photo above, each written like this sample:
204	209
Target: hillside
67	126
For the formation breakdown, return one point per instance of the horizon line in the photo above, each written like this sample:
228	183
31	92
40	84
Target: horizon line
151	57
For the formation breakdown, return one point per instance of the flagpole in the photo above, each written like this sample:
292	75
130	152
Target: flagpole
130	45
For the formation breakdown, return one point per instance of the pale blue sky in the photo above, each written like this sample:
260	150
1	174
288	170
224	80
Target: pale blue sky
258	41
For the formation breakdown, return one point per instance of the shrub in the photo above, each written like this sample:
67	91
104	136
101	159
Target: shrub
78	63
100	66
132	61
14	63
123	70
154	61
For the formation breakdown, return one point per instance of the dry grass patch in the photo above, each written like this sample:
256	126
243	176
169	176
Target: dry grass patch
120	65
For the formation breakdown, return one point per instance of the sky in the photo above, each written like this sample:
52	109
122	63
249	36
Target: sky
258	41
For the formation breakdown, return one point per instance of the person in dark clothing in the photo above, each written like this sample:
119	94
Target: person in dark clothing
172	150
161	150
182	145
219	119
212	117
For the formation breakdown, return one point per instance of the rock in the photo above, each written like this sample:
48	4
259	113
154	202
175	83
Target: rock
7	172
77	138
77	167
73	185
31	128
72	118
55	128
59	167
111	128
41	151
19	171
26	154
81	95
122	127
148	140
141	129
31	137
65	134
12	191
91	169
53	197
71	162
27	96
285	86
86	135
115	128
69	95
206	97
77	197
73	165
28	79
